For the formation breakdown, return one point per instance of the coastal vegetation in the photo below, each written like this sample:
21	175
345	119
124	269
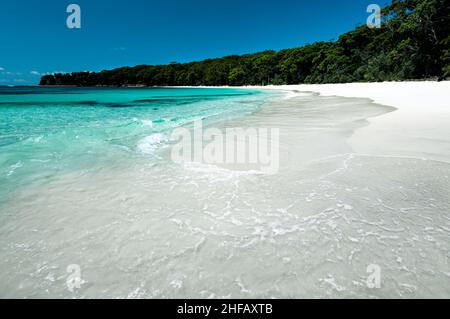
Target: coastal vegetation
412	43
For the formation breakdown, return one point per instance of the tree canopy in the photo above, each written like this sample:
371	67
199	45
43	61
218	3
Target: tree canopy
412	43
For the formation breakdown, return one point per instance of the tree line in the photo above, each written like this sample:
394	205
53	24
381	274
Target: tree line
412	43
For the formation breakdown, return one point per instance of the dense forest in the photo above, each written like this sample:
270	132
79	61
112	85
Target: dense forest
412	43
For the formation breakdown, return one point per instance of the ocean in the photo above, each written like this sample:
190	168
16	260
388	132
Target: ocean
92	206
46	132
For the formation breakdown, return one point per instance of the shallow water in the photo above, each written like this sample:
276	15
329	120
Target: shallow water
45	132
146	227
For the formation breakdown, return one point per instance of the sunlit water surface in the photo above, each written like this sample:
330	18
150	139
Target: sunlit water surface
86	180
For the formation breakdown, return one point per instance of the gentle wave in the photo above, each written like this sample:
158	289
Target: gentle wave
53	131
149	144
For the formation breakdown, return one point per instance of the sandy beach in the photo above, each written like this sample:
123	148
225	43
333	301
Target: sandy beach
363	182
418	127
172	150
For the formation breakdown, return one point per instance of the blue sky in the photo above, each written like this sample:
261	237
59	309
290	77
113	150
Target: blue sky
35	40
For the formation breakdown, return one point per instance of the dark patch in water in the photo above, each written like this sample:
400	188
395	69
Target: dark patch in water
186	99
72	104
118	105
156	100
86	103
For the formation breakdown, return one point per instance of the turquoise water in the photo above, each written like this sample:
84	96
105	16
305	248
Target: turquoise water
45	132
86	181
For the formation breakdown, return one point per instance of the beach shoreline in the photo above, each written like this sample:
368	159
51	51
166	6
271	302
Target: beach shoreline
418	128
337	206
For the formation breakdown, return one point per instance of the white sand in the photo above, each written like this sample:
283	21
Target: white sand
419	128
147	229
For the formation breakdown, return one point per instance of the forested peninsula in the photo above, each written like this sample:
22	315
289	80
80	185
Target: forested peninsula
413	42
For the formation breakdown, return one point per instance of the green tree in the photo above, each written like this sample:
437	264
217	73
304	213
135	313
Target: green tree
236	76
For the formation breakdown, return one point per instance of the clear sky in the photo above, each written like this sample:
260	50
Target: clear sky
34	38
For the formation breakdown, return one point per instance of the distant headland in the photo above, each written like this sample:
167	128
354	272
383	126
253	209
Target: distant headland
413	42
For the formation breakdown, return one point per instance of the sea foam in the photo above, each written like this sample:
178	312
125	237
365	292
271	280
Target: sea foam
149	144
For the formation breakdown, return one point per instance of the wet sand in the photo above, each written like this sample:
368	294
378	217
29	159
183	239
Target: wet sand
166	230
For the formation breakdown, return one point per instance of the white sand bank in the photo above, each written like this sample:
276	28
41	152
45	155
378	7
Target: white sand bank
151	228
419	128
